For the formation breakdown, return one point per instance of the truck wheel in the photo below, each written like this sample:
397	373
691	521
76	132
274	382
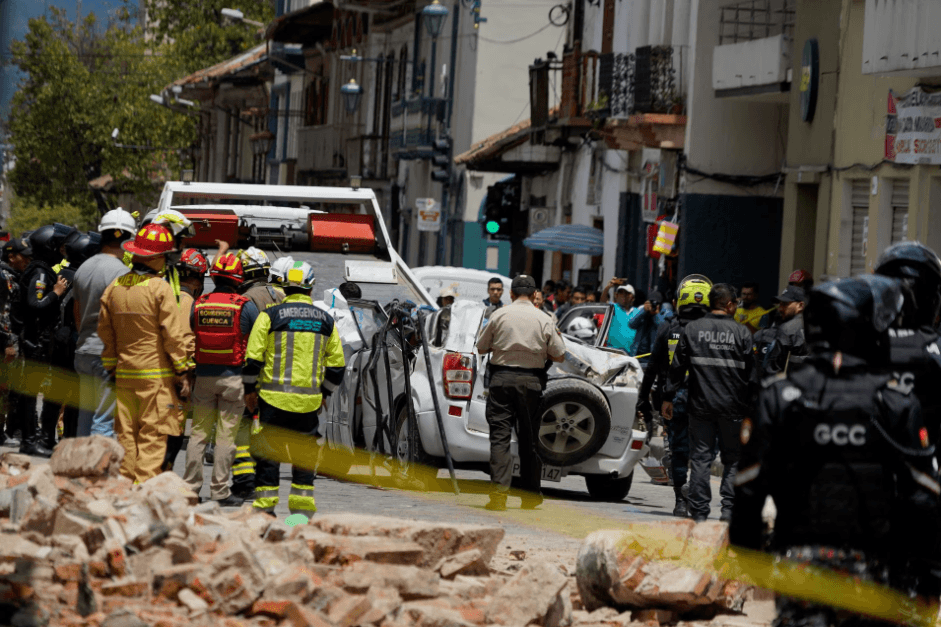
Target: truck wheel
607	488
573	422
411	472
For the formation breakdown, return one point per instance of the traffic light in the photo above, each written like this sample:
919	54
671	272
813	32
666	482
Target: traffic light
502	209
441	160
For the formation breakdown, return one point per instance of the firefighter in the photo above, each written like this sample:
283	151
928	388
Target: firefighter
191	269
146	340
915	349
278	270
180	227
692	303
840	447
263	294
296	359
42	295
222	322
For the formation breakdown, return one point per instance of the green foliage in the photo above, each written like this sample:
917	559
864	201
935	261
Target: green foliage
82	81
199	32
26	215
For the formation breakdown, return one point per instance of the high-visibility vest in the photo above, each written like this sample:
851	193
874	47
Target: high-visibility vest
218	328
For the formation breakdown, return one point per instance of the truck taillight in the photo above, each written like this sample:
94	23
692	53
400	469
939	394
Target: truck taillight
458	375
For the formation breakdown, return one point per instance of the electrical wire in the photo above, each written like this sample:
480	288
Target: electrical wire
515	41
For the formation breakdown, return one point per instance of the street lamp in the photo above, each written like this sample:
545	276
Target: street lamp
238	16
352	93
434	16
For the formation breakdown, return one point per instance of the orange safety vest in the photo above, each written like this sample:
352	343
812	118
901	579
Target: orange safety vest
218	329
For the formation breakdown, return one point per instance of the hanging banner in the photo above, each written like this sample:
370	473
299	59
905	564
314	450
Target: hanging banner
913	127
429	214
666	237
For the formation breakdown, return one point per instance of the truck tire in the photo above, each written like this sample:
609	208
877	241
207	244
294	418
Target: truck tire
607	488
412	472
573	422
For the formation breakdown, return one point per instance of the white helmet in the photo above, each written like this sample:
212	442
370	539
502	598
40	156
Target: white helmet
256	264
300	275
178	223
280	268
581	328
118	220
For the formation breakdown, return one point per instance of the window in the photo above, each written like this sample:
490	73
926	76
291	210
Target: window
318	95
859	202
899	210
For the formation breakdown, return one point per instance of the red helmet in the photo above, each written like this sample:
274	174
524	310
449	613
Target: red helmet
151	241
228	266
193	261
800	276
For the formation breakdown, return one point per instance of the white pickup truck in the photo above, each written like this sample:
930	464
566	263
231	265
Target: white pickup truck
587	418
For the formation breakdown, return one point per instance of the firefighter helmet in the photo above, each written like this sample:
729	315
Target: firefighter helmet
193	262
693	291
152	240
255	263
119	221
280	268
178	223
300	275
229	267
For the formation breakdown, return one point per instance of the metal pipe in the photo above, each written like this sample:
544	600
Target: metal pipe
434	398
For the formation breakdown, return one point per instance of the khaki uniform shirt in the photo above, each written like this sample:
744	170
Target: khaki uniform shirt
521	336
145	332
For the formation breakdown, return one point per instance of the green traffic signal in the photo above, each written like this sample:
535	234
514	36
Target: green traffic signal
493	227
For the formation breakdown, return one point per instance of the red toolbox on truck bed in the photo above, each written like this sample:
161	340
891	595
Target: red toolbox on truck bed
342	232
212	224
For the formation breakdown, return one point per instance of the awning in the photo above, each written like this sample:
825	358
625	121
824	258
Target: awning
571	239
304	26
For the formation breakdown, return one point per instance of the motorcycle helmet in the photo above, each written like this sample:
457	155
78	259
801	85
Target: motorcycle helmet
853	315
692	294
80	249
918	268
47	240
582	329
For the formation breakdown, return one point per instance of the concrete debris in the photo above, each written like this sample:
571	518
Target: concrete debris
670	568
83	547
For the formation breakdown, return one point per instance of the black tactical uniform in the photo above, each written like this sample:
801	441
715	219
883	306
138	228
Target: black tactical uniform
840	446
716	352
10	327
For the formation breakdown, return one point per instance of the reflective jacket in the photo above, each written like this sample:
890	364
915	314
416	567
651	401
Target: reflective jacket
294	355
217	323
845	457
716	351
146	335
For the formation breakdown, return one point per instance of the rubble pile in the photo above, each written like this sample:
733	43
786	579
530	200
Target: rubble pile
81	545
661	571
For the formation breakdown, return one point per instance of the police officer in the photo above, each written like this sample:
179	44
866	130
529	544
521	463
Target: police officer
716	351
295	357
521	339
42	292
222	322
915	352
147	343
15	253
692	303
782	345
861	495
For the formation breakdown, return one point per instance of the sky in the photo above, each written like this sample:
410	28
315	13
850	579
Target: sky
14	18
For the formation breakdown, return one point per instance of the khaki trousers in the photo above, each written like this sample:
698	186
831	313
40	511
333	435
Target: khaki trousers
146	414
219	402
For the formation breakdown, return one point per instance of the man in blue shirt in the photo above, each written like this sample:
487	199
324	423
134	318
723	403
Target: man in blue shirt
621	335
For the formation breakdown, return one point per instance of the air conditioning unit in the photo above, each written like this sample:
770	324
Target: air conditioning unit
539	218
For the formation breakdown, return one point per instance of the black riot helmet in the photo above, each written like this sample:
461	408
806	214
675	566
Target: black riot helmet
853	315
47	240
83	247
919	269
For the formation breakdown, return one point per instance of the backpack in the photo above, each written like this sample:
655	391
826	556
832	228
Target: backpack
771	355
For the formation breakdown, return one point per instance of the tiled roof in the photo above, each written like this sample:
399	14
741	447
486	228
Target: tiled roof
227	67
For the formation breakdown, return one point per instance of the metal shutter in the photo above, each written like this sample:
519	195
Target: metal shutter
899	211
859	200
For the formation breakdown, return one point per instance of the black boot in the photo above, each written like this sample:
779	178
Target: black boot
31	439
680	510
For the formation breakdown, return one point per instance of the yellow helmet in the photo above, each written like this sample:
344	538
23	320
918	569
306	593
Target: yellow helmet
693	290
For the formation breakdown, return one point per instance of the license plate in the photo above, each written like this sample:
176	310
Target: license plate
549	473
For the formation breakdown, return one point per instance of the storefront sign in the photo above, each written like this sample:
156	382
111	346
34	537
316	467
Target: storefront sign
913	127
429	214
810	78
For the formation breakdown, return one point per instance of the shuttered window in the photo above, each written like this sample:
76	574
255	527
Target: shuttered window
899	211
859	200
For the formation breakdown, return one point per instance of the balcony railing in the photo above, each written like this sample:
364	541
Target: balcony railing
368	156
749	20
650	80
413	127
